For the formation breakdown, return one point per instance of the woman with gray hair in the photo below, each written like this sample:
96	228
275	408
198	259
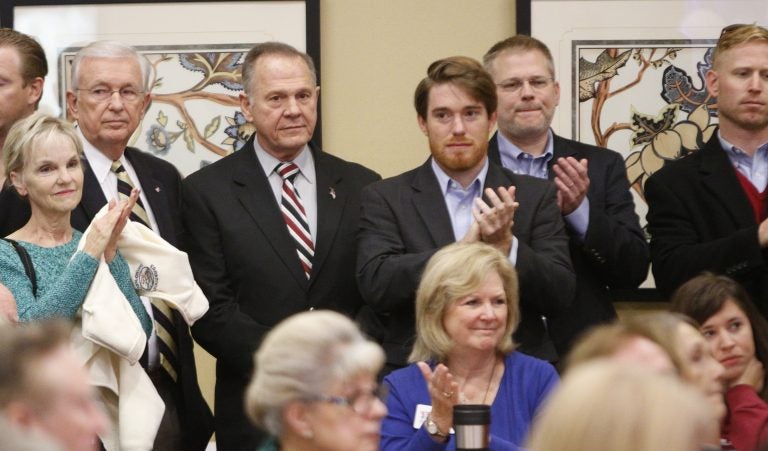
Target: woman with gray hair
466	312
314	387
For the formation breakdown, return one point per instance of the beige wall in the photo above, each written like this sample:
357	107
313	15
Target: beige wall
374	52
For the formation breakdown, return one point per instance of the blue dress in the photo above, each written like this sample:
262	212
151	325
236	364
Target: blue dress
63	277
526	382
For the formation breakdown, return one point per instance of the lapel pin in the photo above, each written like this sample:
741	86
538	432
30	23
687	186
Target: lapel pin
157	189
332	192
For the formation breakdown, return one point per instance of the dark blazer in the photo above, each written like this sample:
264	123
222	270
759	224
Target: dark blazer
614	253
405	221
14	211
245	261
161	183
700	219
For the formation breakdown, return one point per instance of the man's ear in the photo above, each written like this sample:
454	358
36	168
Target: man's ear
72	107
422	124
245	107
713	80
147	100
35	90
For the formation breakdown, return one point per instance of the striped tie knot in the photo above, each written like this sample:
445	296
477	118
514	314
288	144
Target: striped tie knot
287	170
295	216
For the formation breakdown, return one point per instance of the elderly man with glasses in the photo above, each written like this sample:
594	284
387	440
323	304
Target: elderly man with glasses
607	246
707	212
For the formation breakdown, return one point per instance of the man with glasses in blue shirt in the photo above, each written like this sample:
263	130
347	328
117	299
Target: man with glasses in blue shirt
607	246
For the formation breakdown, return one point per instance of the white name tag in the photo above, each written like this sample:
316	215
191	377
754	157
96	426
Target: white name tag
422	412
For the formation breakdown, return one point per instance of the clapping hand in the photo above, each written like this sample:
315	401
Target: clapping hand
495	222
105	230
444	392
572	181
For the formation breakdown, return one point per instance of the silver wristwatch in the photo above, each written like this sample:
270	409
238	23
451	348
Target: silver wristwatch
433	430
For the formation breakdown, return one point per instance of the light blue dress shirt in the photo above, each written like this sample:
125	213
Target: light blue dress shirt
520	162
754	168
459	201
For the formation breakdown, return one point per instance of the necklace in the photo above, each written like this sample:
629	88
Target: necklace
465	400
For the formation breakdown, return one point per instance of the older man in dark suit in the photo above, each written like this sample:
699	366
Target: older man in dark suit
406	219
271	229
606	244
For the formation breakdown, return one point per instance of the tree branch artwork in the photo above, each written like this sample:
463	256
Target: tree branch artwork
660	136
209	70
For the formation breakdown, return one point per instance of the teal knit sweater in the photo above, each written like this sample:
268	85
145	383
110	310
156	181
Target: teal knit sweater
63	278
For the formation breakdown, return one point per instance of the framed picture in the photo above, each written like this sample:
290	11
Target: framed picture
632	74
195	50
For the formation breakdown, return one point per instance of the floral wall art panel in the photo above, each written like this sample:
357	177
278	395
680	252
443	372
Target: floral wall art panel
632	75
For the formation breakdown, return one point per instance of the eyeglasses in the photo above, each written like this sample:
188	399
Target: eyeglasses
101	94
514	85
361	403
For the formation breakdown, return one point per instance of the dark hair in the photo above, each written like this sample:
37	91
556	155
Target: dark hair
31	54
267	49
462	71
704	296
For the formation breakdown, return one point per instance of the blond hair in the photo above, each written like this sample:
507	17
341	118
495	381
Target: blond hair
452	273
26	133
736	35
302	357
607	406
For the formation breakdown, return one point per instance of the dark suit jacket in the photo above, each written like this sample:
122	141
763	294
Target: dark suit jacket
700	219
14	211
405	221
161	183
614	253
245	261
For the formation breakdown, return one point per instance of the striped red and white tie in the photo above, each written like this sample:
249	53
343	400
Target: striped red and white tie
295	217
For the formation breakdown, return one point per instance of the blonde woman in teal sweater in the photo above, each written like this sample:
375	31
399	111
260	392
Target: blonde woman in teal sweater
43	163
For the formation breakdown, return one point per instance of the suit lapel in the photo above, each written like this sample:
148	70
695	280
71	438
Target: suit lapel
154	191
332	198
429	202
496	177
720	180
560	149
93	197
493	149
254	193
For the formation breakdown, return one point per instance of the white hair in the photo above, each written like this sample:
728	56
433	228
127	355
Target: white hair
109	49
302	357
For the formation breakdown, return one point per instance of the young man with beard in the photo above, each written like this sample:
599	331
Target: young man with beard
707	212
458	195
